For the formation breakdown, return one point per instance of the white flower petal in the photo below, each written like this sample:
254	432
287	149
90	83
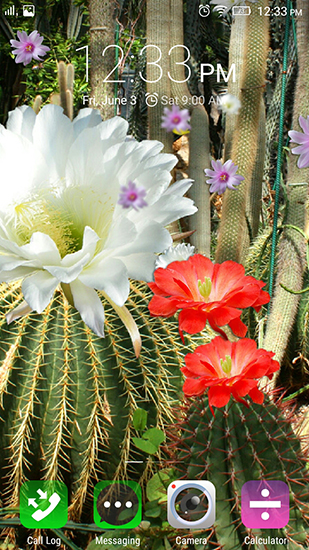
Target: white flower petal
22	168
152	237
21	121
177	253
114	129
41	248
90	240
16	274
85	159
89	305
53	137
130	325
20	311
9	262
140	266
86	118
122	232
38	290
109	275
68	274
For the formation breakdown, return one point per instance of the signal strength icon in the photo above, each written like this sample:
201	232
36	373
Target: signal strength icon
222	10
10	11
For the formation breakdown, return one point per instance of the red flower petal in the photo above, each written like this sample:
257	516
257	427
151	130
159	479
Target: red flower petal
193	386
256	395
219	396
228	368
231	291
238	327
192	320
164	307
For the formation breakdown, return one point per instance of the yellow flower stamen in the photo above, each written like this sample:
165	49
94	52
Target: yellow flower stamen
226	365
205	287
37	215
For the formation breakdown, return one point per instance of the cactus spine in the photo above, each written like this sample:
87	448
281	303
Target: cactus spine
232	243
236	445
291	263
68	397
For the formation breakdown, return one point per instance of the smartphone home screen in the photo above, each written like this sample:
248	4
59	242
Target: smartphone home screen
154	161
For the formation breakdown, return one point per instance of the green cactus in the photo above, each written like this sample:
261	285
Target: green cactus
233	241
68	397
236	445
292	261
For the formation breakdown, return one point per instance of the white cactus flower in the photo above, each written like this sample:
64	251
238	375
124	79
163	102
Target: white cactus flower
61	220
178	253
229	104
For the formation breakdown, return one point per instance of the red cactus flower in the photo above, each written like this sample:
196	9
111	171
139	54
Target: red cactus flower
227	368
204	291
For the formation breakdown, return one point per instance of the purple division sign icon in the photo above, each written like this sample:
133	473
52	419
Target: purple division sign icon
265	504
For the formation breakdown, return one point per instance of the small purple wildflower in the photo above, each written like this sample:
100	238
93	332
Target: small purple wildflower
301	139
223	176
28	47
132	196
176	120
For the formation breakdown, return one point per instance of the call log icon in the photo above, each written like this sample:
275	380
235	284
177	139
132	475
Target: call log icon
117	504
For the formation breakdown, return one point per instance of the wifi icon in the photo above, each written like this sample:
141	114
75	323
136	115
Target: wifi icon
222	10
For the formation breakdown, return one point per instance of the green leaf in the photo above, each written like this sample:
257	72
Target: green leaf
152	509
167	544
157	486
155	435
145	445
140	419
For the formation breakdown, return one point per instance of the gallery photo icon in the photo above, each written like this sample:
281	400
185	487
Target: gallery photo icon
29	10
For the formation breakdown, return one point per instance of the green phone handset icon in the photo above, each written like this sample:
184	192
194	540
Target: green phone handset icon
43	504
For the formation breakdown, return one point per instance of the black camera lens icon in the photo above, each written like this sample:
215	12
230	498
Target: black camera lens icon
191	504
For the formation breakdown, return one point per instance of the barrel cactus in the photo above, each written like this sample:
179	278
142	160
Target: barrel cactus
236	444
83	213
68	396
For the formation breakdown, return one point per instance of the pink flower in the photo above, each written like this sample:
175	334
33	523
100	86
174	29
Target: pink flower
176	120
223	176
132	196
303	140
28	47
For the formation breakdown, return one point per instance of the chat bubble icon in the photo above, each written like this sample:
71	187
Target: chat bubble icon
117	504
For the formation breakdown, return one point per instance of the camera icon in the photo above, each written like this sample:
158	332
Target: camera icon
191	504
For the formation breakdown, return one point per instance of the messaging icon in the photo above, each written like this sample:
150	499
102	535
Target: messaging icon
117	504
43	504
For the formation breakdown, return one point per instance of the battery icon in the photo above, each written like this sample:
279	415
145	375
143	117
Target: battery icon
241	10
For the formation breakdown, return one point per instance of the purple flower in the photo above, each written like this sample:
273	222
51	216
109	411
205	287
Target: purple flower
303	140
176	120
223	176
28	47
132	196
